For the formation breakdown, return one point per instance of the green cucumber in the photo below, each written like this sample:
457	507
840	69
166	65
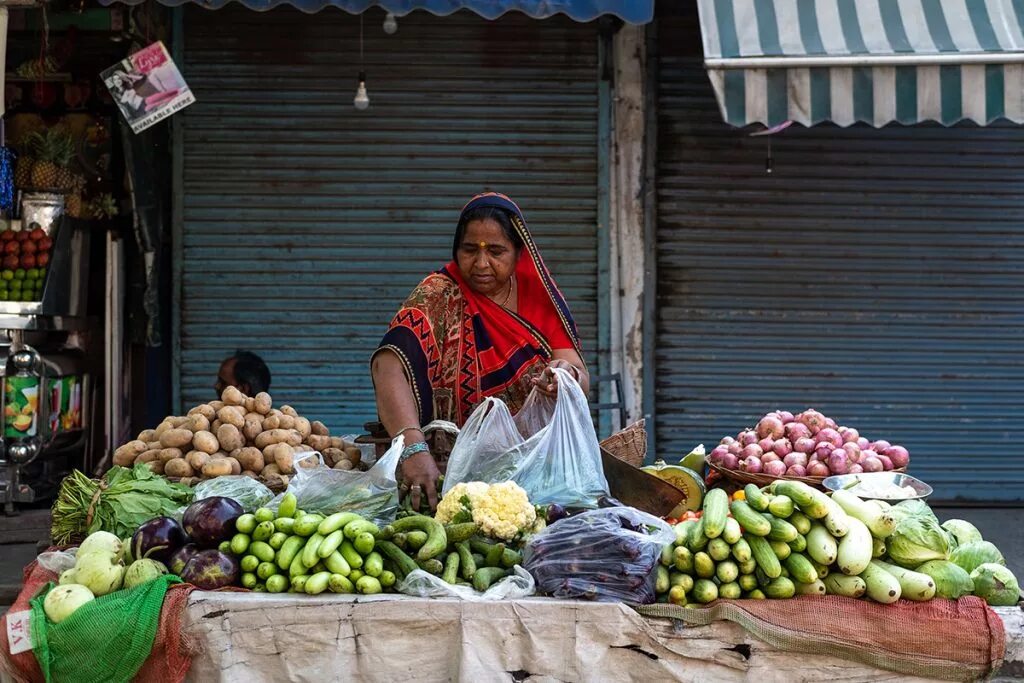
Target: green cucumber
291	548
330	543
801	521
755	497
733	533
781	506
703	565
336	522
682	559
437	539
781	529
246	524
307	525
748	582
289	504
719	550
286	525
249	564
704	591
403	562
763	554
309	553
727	571
364	543
354	559
741	551
277	583
240	544
317	583
730	591
261	550
369	585
360	526
781	549
716	508
374	565
780	589
801	569
798	544
752	522
661	580
337	564
340	584
821	545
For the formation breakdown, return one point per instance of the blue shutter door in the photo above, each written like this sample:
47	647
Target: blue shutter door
877	275
307	223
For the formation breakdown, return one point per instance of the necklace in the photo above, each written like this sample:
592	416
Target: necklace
511	286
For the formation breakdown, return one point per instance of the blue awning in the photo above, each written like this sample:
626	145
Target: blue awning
870	61
631	11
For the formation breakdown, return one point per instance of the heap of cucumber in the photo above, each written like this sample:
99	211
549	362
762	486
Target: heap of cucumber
291	551
784	540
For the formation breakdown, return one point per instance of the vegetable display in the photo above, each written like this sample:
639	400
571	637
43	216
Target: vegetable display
502	511
807	444
236	435
120	502
790	539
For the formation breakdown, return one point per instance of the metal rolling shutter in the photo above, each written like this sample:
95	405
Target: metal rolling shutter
307	223
877	275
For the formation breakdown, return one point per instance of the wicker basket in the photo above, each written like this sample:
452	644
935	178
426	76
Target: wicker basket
759	479
629	445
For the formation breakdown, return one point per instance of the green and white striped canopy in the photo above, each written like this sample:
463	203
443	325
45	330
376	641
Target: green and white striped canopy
874	61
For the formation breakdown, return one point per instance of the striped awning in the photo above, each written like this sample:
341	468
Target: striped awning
630	11
872	61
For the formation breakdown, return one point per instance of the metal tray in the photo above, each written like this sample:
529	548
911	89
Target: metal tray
878	479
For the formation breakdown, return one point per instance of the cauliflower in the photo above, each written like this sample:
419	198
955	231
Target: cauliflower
502	511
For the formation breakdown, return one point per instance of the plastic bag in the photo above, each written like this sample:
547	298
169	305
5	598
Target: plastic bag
246	491
58	561
372	494
425	585
549	448
608	555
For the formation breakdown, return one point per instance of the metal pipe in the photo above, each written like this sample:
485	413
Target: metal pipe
817	61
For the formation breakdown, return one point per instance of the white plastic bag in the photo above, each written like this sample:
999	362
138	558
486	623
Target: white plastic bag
422	584
245	491
372	494
549	448
58	561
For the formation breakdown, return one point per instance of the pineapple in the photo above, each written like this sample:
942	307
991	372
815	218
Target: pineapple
73	205
23	170
53	150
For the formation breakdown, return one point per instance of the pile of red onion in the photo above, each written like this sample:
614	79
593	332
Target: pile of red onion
805	445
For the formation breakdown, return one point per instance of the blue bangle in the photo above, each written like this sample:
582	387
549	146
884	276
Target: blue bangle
411	450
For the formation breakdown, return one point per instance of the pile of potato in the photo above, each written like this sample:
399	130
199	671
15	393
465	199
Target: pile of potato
236	435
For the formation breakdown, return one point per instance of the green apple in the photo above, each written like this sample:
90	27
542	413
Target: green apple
7	274
19	274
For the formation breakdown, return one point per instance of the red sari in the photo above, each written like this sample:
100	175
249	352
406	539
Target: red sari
459	347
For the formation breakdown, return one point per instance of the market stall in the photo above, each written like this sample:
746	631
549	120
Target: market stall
526	567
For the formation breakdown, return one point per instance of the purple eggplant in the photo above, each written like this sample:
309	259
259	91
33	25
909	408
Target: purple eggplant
210	569
211	520
555	512
158	539
181	557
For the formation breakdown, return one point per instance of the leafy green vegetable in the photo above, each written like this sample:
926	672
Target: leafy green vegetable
972	555
912	508
950	580
963	532
119	503
996	584
918	538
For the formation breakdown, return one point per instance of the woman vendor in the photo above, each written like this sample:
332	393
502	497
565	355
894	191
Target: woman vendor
490	323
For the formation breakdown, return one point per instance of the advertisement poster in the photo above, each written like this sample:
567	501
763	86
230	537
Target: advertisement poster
147	87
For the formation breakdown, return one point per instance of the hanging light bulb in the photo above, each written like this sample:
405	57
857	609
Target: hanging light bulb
390	24
362	99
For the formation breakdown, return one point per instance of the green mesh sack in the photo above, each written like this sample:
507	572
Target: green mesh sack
107	639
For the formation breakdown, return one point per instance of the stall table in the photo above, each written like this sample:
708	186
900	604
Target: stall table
263	637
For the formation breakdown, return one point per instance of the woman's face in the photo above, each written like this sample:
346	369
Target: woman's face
486	257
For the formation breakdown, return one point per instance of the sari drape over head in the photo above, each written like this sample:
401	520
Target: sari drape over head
459	347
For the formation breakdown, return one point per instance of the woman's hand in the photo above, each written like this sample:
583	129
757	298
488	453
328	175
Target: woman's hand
419	475
547	383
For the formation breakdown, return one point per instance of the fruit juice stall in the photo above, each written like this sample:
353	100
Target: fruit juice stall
249	543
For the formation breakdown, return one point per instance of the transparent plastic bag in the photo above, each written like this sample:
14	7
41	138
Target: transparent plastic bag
372	494
607	555
549	448
422	584
57	561
246	491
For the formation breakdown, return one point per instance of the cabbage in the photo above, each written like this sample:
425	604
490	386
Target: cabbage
62	601
951	581
912	508
918	538
972	555
963	532
996	584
